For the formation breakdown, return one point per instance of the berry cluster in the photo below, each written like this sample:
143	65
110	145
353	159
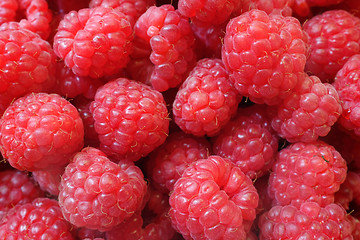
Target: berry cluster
185	119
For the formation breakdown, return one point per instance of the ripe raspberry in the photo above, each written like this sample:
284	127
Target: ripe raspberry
333	38
40	219
8	10
355	226
166	164
27	64
131	119
248	141
164	48
302	7
206	13
49	179
40	131
16	188
89	234
213	198
309	112
346	84
309	221
282	7
306	172
263	54
349	190
99	194
131	8
206	100
94	42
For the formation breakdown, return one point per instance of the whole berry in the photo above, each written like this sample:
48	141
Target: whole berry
166	164
213	198
40	131
27	65
16	187
309	112
309	221
40	219
263	54
94	42
248	141
130	118
334	36
306	172
206	100
163	48
99	194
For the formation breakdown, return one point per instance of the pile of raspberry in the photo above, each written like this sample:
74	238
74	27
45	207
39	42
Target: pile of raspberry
186	119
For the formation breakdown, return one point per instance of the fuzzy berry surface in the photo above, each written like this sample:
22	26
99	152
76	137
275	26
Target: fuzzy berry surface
309	221
163	48
347	85
94	42
309	112
99	194
263	53
248	141
166	164
306	172
16	187
334	36
40	131
40	219
213	198
27	64
206	100
130	118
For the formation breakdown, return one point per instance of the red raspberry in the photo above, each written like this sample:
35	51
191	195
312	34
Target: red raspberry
333	38
99	194
89	234
309	112
248	141
302	7
306	172
213	198
356	227
309	221
263	54
131	8
163	52
131	119
206	100
27	64
206	13
40	219
40	131
8	10
282	7
16	188
349	191
49	179
346	84
94	42
166	164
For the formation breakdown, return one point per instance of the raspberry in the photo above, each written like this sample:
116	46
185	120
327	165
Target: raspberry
94	42
346	84
309	221
213	198
49	179
89	234
99	194
302	7
282	7
27	64
40	219
205	13
263	54
349	190
16	188
356	227
65	6
131	8
131	119
206	100
333	38
166	164
306	172
309	112
163	48
8	10
40	131
248	141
